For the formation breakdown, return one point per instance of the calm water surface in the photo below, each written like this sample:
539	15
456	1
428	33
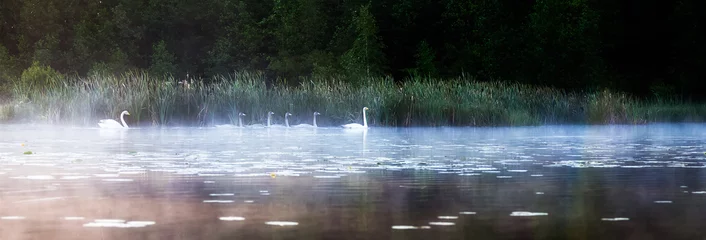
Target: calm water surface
550	182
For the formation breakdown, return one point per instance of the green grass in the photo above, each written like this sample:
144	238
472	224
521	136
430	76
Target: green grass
417	102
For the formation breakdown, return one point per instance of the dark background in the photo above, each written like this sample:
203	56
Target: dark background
649	48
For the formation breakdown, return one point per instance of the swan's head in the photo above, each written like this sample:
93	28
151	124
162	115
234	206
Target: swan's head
241	114
365	108
287	114
270	113
125	112
317	113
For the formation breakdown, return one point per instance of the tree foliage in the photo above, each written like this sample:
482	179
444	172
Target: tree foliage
652	49
365	57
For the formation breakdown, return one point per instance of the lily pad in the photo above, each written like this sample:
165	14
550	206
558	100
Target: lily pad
28	152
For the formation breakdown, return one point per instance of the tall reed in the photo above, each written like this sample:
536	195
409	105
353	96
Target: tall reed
463	101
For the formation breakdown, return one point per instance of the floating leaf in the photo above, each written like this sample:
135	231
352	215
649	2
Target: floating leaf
28	152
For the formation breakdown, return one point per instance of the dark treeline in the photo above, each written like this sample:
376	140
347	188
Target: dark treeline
649	48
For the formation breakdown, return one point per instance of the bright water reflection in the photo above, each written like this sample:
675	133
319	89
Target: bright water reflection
568	182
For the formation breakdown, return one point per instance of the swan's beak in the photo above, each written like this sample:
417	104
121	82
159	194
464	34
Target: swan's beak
127	113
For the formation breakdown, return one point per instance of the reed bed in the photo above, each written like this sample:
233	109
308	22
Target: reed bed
163	101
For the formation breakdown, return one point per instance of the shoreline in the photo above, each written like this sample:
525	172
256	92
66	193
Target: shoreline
418	102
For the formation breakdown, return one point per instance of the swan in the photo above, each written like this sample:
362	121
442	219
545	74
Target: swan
357	125
259	125
309	125
276	125
240	122
110	123
269	119
240	119
286	120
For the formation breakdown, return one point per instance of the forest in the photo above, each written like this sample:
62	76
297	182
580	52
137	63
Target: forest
644	50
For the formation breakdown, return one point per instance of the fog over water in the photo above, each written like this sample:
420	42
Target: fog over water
566	182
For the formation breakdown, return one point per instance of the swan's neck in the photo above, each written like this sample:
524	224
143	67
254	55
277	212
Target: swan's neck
240	121
315	120
286	121
365	120
268	119
122	119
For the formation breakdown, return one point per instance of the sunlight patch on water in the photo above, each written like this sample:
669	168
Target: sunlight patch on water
442	223
448	217
404	227
12	218
527	214
327	176
467	213
282	223
119	223
470	174
231	218
663	201
217	201
73	218
109	220
252	175
615	219
221	194
210	175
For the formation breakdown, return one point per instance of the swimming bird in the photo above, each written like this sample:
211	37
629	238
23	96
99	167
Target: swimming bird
357	125
308	125
259	125
240	119
286	120
110	123
269	120
240	122
275	125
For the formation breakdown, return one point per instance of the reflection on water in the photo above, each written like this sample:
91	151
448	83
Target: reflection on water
558	182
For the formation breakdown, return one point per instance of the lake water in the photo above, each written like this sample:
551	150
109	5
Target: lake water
549	182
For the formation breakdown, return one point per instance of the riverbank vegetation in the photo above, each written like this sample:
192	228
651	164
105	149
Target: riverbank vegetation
44	96
413	63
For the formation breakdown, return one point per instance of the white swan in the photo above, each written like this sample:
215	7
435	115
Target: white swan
286	120
240	119
357	125
275	125
269	119
240	122
308	125
259	125
110	123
